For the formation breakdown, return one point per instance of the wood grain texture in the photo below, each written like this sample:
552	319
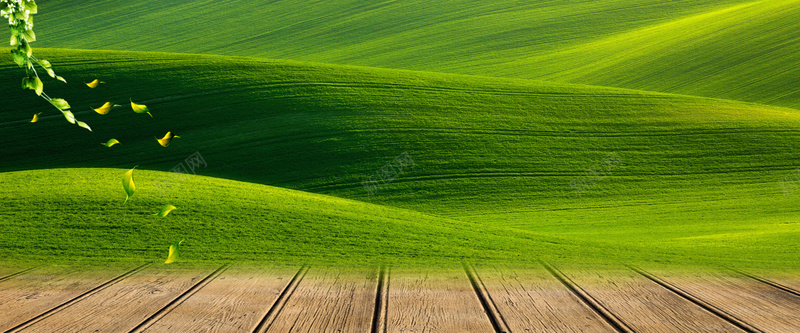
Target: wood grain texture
434	301
532	300
28	295
330	301
644	305
122	306
233	302
785	280
760	305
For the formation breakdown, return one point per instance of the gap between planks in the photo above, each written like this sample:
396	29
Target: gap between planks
74	300
178	300
379	317
495	317
618	324
699	302
770	283
269	318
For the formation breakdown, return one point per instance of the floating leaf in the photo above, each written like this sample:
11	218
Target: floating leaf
173	252
94	83
35	117
84	125
140	108
110	143
166	139
128	185
105	108
165	210
61	79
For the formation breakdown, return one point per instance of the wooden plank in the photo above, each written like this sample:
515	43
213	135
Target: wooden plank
126	304
434	301
762	306
789	282
234	302
532	300
644	305
329	300
30	294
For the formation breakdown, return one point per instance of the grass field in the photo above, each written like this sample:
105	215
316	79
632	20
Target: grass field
741	50
494	160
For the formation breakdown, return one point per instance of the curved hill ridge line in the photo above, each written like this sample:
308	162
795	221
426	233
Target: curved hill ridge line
738	50
692	166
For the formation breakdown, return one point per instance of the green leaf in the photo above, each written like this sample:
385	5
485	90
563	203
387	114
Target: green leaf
110	142
50	72
26	49
128	185
31	6
140	108
84	125
19	57
60	103
70	117
173	252
14	40
164	142
33	83
165	210
29	35
61	79
45	64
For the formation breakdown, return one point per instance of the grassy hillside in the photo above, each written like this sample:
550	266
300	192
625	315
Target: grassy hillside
742	50
78	215
699	181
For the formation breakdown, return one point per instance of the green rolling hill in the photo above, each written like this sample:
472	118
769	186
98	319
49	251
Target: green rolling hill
740	50
493	157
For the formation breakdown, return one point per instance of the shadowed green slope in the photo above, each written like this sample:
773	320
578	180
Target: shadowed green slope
742	50
699	178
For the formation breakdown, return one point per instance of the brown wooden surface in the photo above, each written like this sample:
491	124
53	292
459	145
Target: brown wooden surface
234	302
644	305
329	300
122	306
760	305
434	301
532	300
32	293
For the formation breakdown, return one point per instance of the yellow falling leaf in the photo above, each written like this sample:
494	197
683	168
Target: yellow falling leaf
105	108
173	252
35	117
140	108
94	83
166	139
165	210
128	185
110	143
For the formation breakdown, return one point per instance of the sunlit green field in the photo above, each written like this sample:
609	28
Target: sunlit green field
701	125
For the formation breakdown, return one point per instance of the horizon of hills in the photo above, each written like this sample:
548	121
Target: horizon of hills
698	185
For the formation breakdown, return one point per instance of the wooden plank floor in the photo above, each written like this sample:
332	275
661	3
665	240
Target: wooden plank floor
169	298
28	295
643	305
761	306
